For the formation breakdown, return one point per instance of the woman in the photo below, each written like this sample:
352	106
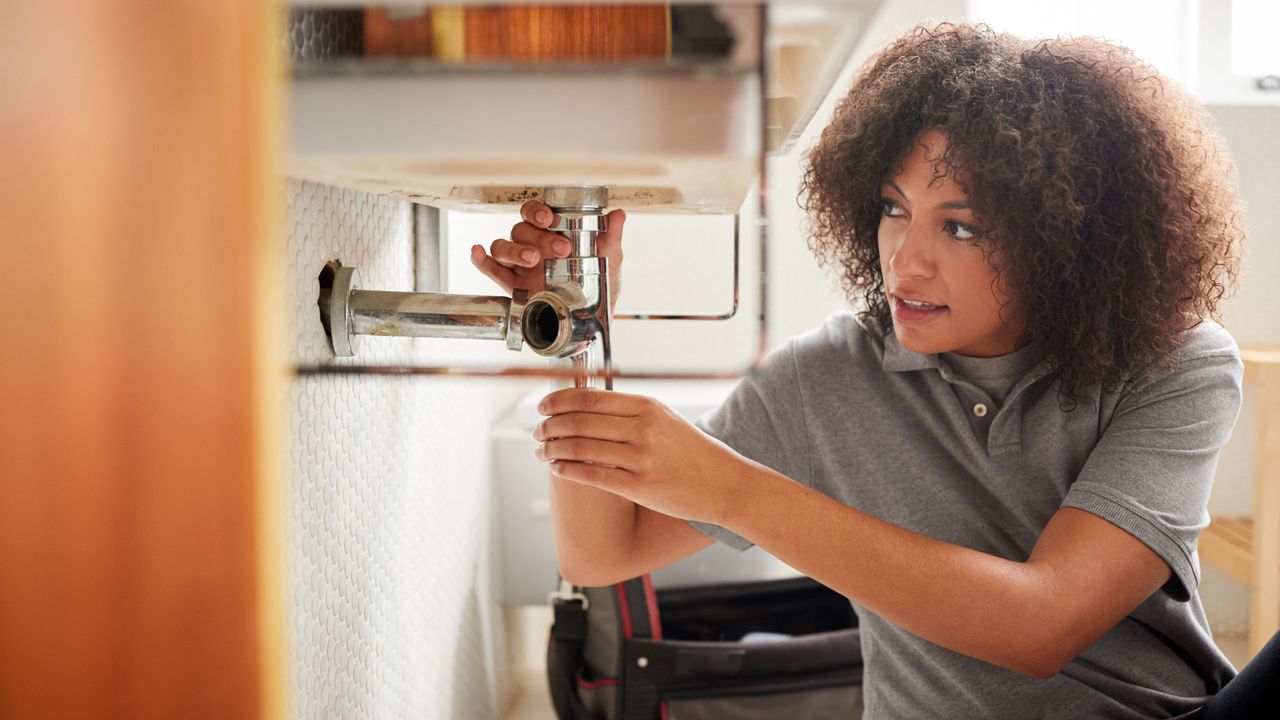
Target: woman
1004	459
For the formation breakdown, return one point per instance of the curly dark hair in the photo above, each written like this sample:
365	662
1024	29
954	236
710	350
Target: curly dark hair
1103	187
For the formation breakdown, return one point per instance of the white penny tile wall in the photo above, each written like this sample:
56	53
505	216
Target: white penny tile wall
392	605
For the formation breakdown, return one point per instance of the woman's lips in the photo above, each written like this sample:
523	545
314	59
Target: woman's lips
914	312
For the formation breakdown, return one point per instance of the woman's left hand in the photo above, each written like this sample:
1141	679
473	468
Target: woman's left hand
640	449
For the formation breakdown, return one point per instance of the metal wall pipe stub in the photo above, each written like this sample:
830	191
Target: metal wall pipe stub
347	312
436	315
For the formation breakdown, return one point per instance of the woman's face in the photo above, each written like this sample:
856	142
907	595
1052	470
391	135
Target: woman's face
942	290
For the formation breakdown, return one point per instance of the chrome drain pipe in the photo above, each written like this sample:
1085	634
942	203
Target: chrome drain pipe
347	313
569	321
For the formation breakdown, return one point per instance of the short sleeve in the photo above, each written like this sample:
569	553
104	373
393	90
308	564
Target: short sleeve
1152	469
763	419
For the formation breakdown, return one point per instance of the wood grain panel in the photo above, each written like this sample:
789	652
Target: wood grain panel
139	397
1228	545
567	33
398	36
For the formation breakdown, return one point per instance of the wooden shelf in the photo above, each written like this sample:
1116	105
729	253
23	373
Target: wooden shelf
1228	545
1248	548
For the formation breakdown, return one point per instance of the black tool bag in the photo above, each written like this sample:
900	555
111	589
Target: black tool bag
614	656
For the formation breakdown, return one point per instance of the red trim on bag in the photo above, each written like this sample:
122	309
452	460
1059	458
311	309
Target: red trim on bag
662	707
623	610
593	684
651	599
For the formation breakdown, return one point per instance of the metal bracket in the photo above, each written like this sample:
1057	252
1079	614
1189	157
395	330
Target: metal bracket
568	593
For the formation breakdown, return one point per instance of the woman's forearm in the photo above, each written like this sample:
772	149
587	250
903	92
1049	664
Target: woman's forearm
967	601
593	530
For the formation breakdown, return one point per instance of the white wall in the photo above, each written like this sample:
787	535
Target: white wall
1253	134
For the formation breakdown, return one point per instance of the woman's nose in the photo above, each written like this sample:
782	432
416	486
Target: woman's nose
912	256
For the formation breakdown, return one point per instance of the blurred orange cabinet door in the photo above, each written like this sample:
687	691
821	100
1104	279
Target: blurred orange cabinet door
140	478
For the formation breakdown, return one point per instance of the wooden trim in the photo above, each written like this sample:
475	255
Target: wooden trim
1255	359
1228	545
1261	355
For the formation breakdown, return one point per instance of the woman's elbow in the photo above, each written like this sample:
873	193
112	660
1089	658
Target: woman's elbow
1042	668
1046	656
591	571
1033	664
585	576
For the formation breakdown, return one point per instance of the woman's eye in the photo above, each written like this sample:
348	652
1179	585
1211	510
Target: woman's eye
960	231
889	208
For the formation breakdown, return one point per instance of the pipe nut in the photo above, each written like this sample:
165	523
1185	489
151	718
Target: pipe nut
580	198
346	343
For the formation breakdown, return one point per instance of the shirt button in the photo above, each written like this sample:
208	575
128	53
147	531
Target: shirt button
980	409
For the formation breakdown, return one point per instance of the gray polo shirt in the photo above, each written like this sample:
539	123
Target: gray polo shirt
847	410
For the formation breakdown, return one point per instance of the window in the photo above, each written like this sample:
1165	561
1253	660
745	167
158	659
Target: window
1160	32
1253	28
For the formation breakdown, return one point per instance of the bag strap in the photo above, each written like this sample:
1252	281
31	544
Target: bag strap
638	619
564	652
638	608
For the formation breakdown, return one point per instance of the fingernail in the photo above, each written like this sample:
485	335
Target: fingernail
529	255
542	407
544	217
562	246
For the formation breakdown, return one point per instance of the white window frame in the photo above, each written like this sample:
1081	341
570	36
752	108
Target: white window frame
1206	68
1218	83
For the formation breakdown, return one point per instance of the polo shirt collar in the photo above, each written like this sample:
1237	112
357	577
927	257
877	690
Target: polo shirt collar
899	359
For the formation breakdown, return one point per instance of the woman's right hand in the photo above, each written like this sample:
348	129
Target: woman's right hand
518	262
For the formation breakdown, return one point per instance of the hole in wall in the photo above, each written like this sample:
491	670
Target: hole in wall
325	278
327	272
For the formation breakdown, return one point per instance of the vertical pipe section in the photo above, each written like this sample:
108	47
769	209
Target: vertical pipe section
581	218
